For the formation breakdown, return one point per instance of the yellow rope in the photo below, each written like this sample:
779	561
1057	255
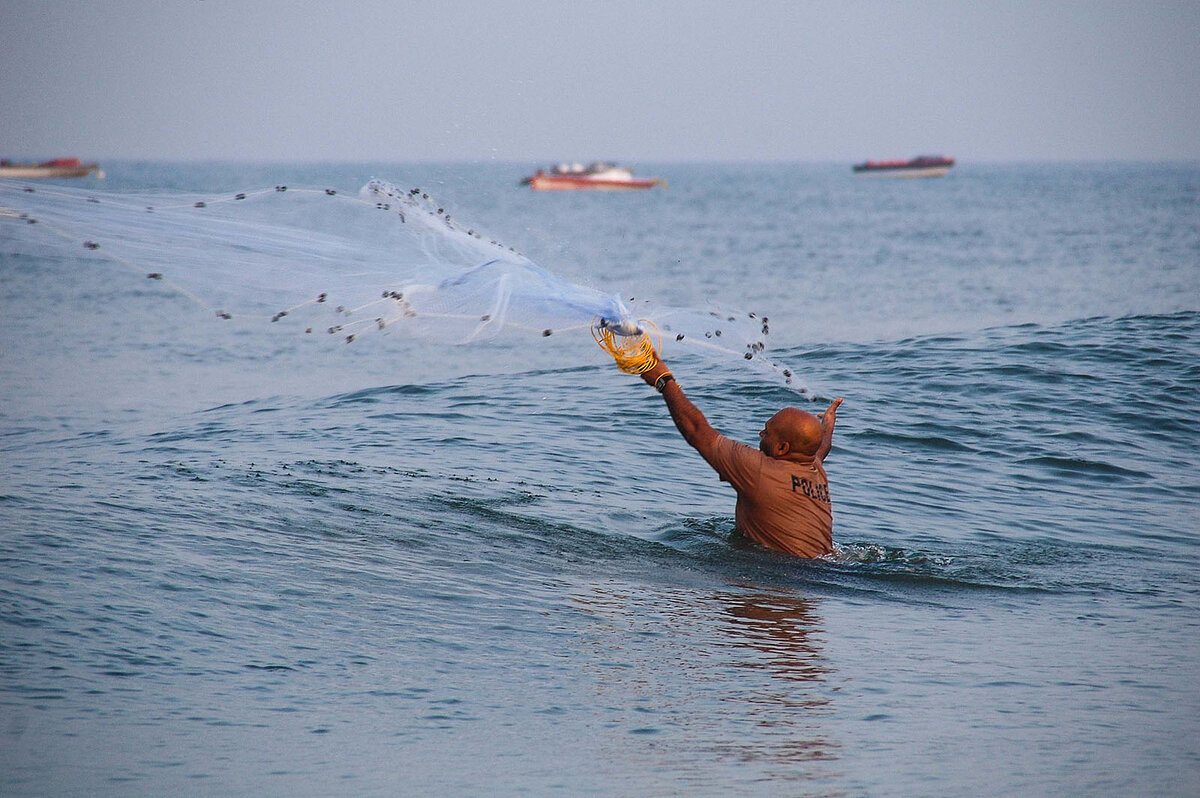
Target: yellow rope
635	354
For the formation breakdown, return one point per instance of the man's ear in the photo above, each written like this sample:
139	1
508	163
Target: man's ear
782	448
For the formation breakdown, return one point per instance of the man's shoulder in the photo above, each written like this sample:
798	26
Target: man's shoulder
735	449
734	461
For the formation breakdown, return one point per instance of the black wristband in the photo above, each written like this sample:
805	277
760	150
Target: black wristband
660	384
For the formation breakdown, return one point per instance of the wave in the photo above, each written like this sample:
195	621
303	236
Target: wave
1074	466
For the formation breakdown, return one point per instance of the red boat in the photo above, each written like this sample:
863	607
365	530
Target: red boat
921	166
58	167
599	176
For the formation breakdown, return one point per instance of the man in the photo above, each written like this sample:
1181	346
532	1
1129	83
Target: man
782	491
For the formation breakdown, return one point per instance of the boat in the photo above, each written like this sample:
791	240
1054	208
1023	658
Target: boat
921	166
598	176
56	167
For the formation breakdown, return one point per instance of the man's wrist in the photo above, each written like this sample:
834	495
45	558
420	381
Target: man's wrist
660	384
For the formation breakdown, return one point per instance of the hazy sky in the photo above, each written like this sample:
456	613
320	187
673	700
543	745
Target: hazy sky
637	80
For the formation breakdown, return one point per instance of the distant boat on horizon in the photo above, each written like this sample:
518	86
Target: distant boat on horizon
56	167
921	166
597	176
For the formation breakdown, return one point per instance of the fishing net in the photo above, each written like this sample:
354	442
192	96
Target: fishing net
388	259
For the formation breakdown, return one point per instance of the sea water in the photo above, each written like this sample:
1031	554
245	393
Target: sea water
234	561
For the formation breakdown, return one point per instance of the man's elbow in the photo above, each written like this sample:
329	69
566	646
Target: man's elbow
702	439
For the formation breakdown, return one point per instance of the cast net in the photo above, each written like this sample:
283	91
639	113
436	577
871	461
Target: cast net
388	259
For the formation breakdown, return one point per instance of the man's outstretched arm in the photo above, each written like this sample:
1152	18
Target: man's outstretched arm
828	419
690	422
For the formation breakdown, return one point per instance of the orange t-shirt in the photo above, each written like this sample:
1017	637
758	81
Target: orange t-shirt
781	504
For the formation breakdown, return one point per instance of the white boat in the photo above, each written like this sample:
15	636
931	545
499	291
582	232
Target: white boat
598	176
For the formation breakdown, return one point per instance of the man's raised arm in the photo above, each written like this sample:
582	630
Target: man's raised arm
828	419
687	417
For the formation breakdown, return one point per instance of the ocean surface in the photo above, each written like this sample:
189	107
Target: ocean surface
239	562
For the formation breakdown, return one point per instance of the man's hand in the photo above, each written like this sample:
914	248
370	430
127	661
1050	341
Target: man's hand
828	419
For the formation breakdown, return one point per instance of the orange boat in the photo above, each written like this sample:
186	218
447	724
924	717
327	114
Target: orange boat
58	167
598	176
921	166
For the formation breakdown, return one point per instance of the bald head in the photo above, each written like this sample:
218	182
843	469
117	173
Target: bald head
791	431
